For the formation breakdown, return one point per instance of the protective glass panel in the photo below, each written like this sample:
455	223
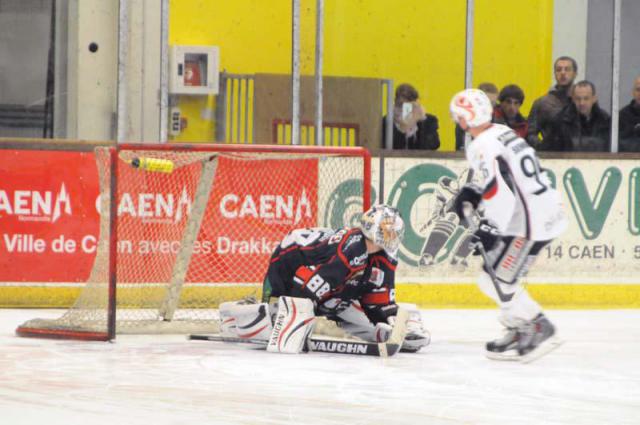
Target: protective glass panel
629	79
415	48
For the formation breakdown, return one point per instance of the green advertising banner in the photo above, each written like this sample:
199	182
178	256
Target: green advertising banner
598	255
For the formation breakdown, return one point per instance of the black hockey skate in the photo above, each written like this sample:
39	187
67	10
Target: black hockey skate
536	338
505	348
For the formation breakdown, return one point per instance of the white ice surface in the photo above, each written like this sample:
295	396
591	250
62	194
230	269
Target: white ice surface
594	378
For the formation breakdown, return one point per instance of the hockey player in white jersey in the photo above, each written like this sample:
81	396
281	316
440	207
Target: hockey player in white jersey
520	212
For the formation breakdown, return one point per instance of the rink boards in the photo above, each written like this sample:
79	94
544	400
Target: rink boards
48	228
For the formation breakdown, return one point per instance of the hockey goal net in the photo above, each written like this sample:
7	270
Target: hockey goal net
195	225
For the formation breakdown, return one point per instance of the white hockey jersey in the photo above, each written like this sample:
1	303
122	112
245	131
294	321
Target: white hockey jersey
516	194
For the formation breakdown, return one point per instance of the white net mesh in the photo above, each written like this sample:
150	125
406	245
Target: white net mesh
203	233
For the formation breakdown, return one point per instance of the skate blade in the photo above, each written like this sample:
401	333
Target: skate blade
545	348
507	356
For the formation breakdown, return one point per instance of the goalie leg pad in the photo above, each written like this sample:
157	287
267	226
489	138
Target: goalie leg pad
355	322
251	321
294	323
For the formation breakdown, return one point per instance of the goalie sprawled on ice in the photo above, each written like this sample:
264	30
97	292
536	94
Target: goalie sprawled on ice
346	275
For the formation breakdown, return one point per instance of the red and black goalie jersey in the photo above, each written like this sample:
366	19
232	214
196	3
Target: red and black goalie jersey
333	268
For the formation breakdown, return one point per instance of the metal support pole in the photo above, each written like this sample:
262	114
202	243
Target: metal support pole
221	108
615	78
164	71
123	43
468	68
388	136
319	53
295	74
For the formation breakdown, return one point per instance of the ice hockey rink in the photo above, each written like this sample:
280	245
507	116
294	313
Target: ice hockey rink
593	378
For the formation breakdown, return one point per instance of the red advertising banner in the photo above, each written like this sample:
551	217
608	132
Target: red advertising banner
48	216
252	205
254	208
49	220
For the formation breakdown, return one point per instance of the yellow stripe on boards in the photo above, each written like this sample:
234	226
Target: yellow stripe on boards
562	296
565	296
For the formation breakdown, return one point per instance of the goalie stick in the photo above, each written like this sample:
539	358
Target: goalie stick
336	345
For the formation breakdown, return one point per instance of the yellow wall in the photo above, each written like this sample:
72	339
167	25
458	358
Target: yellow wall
420	42
513	45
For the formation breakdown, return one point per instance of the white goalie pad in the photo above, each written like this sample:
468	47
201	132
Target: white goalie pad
251	321
294	323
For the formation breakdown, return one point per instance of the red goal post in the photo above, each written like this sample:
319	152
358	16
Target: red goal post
194	225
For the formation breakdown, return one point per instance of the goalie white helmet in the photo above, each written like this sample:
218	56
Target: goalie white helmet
384	226
473	105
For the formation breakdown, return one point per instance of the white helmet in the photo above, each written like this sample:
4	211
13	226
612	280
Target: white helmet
473	105
383	225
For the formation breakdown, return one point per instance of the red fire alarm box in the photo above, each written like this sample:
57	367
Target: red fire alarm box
194	70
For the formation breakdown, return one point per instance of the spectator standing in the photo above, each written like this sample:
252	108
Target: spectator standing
491	90
630	122
412	127
507	112
582	126
545	108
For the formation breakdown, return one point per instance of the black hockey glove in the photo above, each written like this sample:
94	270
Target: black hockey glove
469	193
332	307
380	313
486	235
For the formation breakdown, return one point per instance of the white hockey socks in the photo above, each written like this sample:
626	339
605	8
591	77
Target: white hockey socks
251	321
293	325
519	307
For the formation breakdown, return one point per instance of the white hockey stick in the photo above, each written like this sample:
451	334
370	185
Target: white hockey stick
473	227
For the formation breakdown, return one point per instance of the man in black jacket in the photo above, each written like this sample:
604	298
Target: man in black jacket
545	108
582	126
630	122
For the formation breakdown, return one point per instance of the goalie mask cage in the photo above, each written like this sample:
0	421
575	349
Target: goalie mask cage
194	226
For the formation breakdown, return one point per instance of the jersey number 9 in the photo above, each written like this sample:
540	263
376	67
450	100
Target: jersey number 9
531	168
